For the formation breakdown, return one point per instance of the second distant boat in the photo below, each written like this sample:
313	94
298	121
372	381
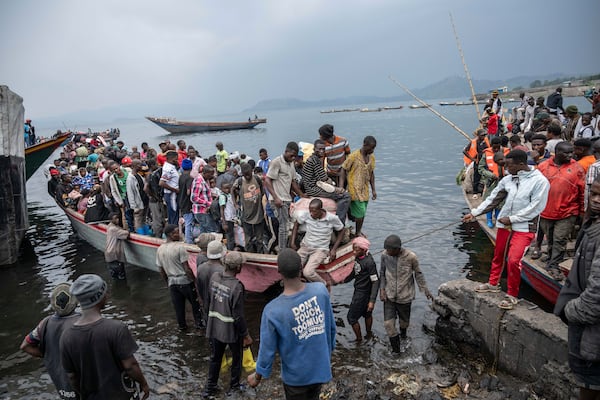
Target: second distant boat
173	126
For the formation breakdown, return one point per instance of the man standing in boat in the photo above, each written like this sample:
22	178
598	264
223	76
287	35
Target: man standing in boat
169	181
336	150
525	193
280	181
222	158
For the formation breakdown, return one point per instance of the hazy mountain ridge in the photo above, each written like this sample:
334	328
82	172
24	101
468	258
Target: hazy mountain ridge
451	87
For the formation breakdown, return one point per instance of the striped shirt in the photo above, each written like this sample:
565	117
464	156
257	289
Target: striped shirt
336	155
313	172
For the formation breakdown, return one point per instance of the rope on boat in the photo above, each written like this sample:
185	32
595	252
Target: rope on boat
422	235
452	124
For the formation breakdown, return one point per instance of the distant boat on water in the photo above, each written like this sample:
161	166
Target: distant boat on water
339	110
413	106
370	109
173	126
393	108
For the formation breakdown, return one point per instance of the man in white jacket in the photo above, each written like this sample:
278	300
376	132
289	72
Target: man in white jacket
524	192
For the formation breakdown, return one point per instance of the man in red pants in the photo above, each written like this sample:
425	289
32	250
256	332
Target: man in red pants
524	192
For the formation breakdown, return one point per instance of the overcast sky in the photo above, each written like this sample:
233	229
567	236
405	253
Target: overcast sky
63	56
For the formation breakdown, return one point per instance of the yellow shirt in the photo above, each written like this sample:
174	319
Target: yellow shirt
359	175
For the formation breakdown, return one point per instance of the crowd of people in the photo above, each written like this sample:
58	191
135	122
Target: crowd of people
227	204
230	193
541	181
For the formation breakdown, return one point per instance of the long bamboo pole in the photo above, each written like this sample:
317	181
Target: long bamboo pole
462	57
452	124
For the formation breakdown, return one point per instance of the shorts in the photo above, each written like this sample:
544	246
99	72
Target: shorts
587	373
358	307
402	311
358	209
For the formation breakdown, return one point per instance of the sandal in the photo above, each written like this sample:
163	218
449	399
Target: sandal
508	303
487	288
535	254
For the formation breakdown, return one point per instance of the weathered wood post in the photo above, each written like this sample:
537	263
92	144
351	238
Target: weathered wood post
13	197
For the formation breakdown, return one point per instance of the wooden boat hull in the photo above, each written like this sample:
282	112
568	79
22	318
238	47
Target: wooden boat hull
37	154
532	271
258	274
173	126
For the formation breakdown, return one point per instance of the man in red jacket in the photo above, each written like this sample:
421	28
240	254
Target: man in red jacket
565	201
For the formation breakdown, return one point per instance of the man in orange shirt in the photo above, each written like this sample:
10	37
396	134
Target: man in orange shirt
336	151
565	202
582	151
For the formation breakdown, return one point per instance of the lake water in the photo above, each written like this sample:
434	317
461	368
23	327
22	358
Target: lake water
418	157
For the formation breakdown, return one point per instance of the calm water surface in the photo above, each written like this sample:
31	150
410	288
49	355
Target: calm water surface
418	157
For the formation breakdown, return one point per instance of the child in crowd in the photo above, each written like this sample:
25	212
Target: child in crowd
399	271
228	214
74	197
366	285
114	254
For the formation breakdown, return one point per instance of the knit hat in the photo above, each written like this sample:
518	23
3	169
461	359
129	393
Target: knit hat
392	242
289	263
89	289
326	130
93	157
215	250
62	301
187	164
572	109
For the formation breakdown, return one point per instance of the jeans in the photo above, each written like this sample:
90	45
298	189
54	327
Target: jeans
217	349
283	216
253	235
158	218
557	232
172	212
189	222
181	293
207	223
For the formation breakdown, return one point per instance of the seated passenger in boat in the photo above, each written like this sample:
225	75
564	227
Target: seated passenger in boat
96	210
317	184
314	248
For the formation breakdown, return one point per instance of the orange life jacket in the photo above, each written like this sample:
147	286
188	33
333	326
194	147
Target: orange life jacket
489	159
472	151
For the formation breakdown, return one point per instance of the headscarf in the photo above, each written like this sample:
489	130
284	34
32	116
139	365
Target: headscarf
361	242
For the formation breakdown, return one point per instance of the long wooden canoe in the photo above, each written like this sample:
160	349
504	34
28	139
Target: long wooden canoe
259	271
173	126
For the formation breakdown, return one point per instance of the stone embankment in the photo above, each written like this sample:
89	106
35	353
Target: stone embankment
525	342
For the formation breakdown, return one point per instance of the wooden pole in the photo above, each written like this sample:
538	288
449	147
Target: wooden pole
462	57
452	124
